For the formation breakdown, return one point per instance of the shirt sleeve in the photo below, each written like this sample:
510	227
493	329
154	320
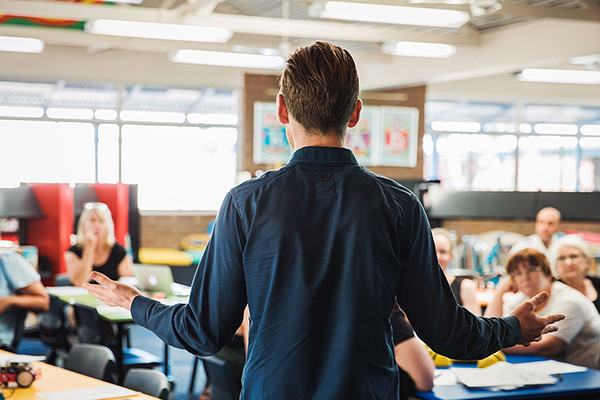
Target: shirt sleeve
425	296
19	273
218	297
402	330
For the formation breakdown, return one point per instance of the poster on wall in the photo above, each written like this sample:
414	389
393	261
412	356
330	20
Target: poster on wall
360	139
400	136
270	143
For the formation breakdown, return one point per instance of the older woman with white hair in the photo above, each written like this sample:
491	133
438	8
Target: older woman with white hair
572	261
96	249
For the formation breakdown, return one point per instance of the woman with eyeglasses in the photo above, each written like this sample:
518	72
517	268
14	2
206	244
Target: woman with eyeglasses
577	340
572	262
96	248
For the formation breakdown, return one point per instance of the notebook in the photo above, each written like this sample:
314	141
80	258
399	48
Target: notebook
153	278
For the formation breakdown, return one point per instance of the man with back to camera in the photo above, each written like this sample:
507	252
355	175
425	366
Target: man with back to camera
547	226
319	250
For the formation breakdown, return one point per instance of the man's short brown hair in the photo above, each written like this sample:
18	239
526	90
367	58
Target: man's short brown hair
320	87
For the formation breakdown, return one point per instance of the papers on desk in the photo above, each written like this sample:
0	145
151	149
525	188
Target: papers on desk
506	376
6	359
66	290
93	393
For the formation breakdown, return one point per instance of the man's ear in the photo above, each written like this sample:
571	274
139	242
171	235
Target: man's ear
355	117
282	112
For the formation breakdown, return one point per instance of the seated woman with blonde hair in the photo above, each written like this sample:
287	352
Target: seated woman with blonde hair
572	262
577	339
96	248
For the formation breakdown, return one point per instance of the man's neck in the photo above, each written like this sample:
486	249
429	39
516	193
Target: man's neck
301	138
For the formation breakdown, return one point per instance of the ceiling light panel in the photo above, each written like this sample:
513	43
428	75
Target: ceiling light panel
389	14
21	44
150	30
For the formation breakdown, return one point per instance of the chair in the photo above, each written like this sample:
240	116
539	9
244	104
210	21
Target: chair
92	360
223	385
20	316
91	328
148	381
54	330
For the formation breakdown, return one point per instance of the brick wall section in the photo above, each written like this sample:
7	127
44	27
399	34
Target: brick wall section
166	231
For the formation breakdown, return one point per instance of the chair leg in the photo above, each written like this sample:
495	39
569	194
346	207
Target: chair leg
193	377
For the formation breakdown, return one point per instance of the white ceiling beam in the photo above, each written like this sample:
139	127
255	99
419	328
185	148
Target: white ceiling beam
590	13
239	24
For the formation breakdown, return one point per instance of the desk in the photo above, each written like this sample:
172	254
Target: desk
55	379
572	385
117	315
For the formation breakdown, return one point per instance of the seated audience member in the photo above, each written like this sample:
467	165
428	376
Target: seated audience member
414	362
547	227
96	249
464	288
577	339
572	261
20	287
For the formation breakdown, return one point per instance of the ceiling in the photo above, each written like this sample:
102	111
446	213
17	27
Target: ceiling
496	42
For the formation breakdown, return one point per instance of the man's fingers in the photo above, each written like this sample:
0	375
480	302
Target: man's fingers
550	319
103	280
538	299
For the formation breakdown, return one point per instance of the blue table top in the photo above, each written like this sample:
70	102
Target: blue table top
571	384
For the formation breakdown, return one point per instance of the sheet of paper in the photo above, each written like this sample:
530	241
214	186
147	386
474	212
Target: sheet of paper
66	290
444	378
550	367
19	358
502	376
92	393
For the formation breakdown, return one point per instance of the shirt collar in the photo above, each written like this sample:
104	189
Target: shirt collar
323	155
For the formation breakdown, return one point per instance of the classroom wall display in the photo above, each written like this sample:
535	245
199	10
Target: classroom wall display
400	127
270	143
384	136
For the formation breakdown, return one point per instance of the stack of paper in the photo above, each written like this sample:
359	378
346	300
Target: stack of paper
506	376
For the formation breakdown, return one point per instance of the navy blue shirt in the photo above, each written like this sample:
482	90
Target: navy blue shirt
319	250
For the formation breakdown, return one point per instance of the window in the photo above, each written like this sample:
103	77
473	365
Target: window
178	144
496	146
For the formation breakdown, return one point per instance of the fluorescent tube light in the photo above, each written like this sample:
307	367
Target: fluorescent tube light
152	116
224	59
559	76
150	30
21	44
107	115
590	130
69	113
21	112
389	14
212	119
419	49
555	129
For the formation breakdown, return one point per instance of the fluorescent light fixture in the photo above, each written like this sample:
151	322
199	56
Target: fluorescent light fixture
212	119
21	112
224	59
559	76
555	129
455	126
21	44
389	14
151	30
525	128
590	130
419	49
107	115
152	116
69	113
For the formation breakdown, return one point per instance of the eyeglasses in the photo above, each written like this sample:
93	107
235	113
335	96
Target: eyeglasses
95	206
573	258
517	273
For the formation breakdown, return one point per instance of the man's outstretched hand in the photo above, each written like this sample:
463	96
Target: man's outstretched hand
111	292
533	326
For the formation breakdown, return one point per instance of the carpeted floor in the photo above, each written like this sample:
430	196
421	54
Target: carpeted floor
180	361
